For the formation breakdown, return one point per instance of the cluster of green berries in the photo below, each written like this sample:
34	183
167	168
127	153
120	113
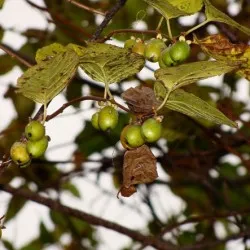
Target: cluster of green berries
105	119
134	136
155	50
35	146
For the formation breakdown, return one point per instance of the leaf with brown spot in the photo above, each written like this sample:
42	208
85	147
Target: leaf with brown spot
141	100
220	48
139	166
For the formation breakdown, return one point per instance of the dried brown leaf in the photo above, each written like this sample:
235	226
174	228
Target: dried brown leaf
139	166
141	100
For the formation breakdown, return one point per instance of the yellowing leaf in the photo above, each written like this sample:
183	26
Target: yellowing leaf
214	14
166	9
188	6
179	76
191	105
44	81
110	64
220	48
47	52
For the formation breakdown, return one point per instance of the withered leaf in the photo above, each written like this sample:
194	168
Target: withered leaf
126	192
141	100
139	166
220	48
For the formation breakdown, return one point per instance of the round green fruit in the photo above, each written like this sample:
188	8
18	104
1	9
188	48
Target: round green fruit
166	58
19	153
34	131
139	48
134	137
37	148
151	130
129	44
153	50
180	51
108	118
94	120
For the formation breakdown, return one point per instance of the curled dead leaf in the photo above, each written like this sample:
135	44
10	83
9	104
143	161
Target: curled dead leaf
141	100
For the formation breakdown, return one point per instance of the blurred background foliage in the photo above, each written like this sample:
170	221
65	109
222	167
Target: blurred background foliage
193	154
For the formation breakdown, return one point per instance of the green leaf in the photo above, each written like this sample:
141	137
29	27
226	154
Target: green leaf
179	76
1	3
48	52
175	8
42	82
45	236
110	64
14	207
6	64
72	189
189	6
8	245
214	14
191	105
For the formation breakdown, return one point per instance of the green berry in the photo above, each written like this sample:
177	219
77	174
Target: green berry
151	130
129	44
34	131
37	148
134	137
153	50
139	48
94	120
166	58
19	153
180	51
108	118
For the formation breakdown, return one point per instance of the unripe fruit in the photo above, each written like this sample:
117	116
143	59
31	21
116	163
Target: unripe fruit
108	118
134	137
19	153
180	51
166	58
129	43
139	48
34	131
151	130
94	120
37	148
153	50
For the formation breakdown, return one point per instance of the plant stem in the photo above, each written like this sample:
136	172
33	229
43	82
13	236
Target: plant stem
165	100
159	24
196	27
169	29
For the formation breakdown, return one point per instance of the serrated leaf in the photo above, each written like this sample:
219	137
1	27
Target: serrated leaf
179	76
175	8
110	64
188	6
213	14
42	82
166	9
191	105
14	207
220	48
48	52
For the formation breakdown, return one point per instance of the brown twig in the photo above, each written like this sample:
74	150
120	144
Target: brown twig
91	219
119	31
85	7
80	99
109	15
15	54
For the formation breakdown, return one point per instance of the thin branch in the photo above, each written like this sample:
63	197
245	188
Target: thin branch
85	7
16	55
91	219
80	99
108	17
121	31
